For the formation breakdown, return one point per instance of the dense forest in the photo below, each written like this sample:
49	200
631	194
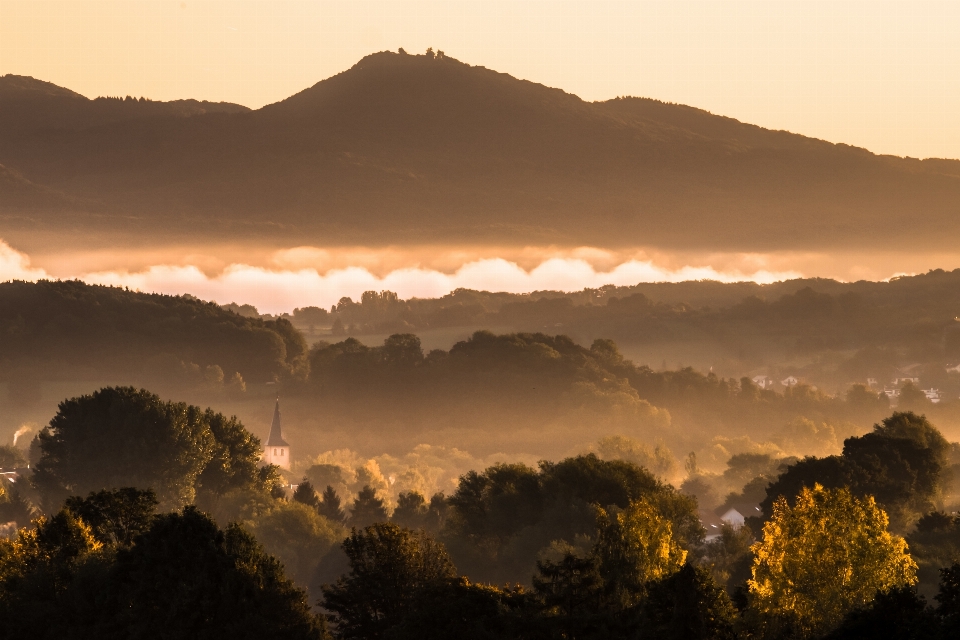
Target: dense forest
146	516
73	331
832	334
520	484
828	334
520	396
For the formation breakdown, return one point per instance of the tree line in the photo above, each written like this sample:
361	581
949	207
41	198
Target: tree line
868	329
69	330
156	512
858	330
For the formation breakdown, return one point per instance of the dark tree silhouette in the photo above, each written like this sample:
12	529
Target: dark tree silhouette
306	494
689	605
329	506
191	579
412	511
390	567
124	437
181	578
901	463
115	517
367	508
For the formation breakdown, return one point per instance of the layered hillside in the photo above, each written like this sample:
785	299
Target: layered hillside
405	148
74	331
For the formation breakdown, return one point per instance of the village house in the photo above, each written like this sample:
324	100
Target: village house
764	382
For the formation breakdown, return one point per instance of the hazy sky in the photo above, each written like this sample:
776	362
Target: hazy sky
882	74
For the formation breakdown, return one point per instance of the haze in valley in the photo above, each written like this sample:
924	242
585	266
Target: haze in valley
522	289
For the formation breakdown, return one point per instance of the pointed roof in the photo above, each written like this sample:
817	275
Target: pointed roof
276	434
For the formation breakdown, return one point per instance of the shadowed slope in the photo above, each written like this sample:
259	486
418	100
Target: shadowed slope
420	149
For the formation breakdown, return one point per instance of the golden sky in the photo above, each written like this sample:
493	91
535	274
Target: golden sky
882	74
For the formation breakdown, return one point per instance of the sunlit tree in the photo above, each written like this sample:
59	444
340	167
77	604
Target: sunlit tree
823	557
634	547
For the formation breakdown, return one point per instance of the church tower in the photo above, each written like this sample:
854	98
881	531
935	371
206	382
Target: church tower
277	451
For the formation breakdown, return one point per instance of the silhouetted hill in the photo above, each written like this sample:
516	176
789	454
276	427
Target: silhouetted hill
405	148
30	107
71	330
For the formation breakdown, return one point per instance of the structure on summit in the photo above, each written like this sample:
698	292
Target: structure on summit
277	451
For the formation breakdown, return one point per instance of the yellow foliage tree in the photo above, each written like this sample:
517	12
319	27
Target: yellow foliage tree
634	547
822	558
49	546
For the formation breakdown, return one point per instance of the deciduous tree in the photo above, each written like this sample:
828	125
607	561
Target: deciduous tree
125	437
634	547
823	557
390	568
115	517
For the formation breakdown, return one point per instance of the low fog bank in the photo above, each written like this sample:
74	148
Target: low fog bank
279	279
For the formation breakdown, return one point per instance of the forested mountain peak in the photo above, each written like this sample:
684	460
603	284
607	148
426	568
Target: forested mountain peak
432	83
420	149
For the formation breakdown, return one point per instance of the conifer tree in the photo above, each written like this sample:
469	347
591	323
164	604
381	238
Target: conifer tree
329	506
411	511
306	494
367	508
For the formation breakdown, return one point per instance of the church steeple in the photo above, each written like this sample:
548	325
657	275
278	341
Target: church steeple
276	433
276	451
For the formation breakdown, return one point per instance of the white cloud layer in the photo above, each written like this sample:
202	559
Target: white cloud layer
16	266
281	290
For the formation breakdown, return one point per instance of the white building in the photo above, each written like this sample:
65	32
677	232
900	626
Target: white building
789	381
277	451
733	518
764	382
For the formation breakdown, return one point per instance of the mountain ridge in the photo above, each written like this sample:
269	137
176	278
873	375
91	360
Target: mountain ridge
403	148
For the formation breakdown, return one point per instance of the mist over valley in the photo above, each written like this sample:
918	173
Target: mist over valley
429	351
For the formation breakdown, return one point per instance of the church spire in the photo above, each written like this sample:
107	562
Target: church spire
276	434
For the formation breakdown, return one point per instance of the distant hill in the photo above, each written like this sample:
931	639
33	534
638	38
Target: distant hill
828	333
30	107
74	331
415	149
